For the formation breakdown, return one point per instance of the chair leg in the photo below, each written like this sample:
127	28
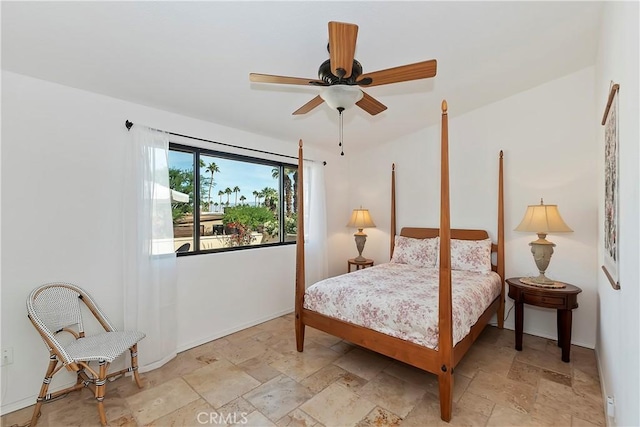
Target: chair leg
53	361
134	365
101	382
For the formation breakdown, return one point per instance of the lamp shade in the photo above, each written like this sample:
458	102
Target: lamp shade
360	219
543	219
341	96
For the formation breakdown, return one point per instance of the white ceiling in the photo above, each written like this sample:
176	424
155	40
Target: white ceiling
194	58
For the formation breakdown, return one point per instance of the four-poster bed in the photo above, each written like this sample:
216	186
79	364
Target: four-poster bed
316	309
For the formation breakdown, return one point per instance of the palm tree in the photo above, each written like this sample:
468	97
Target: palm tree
228	192
216	205
288	192
220	193
288	189
212	168
270	197
236	190
256	195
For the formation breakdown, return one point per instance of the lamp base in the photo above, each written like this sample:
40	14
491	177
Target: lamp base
360	238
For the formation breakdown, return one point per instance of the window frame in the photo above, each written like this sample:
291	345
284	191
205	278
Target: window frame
197	152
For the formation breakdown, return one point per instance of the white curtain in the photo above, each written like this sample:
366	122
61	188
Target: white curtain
149	256
315	223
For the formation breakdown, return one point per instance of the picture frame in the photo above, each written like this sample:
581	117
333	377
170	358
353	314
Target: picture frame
611	186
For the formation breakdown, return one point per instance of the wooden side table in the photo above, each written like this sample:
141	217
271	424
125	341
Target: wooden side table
359	264
562	299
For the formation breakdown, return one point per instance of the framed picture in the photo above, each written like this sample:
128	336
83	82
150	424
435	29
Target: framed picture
611	184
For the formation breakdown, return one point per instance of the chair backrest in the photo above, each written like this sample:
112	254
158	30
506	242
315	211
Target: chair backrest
184	248
56	306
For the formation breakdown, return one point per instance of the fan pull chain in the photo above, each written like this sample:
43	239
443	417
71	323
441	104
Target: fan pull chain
341	131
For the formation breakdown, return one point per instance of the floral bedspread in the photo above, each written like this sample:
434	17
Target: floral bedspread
401	300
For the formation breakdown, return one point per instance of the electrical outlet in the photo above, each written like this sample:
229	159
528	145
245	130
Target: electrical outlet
7	356
611	407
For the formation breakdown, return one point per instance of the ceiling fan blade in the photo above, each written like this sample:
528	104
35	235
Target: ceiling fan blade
404	73
309	106
269	78
342	47
371	105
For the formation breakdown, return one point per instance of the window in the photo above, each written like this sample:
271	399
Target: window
240	202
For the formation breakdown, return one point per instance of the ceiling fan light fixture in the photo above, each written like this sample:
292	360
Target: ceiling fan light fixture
341	96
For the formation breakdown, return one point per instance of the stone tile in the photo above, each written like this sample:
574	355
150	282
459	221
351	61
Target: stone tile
535	343
183	363
501	390
411	374
363	363
300	365
279	324
191	414
586	385
237	406
380	417
256	419
530	374
544	360
503	416
543	415
475	403
297	418
392	393
460	384
221	382
427	413
584	360
343	347
321	338
337	406
321	379
488	358
565	399
21	416
244	334
259	369
579	422
278	397
495	337
492	385
240	351
159	401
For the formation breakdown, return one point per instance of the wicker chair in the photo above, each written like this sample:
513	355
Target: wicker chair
54	308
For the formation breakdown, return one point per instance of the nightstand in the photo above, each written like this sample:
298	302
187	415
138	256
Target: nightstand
562	299
359	264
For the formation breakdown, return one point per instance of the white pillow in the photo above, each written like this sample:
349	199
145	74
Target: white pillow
471	255
418	252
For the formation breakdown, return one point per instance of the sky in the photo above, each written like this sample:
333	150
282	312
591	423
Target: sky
247	176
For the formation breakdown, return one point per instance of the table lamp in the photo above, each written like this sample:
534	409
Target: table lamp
542	219
360	219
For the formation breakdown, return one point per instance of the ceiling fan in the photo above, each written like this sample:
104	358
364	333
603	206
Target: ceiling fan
342	75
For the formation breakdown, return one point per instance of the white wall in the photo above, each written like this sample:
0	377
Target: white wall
62	152
618	345
548	137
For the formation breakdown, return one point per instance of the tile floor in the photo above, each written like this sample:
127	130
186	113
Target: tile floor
255	377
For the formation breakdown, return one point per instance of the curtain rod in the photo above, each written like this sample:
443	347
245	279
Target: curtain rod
128	124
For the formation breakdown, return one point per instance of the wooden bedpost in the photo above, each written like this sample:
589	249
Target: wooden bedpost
500	260
392	230
445	335
300	285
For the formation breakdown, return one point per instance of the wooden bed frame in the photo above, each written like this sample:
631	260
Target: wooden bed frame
442	361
